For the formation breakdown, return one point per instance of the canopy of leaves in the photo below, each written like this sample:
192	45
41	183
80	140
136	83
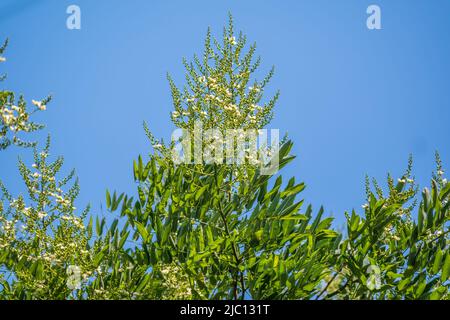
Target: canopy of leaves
208	231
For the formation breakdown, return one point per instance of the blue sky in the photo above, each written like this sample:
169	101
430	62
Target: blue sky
354	101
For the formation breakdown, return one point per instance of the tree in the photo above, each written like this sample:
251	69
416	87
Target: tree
210	229
40	234
47	250
389	254
236	237
43	237
233	233
257	245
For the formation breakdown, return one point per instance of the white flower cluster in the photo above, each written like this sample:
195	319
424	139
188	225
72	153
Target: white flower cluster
405	180
176	282
7	232
39	105
16	118
390	233
431	236
77	222
52	191
216	99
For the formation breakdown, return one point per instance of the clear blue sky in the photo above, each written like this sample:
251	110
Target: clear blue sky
354	101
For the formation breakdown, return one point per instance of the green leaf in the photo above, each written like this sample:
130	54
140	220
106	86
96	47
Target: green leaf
142	231
98	227
437	261
293	190
292	210
98	258
123	239
108	199
199	193
317	219
89	227
446	268
403	284
259	234
421	219
301	217
135	171
114	225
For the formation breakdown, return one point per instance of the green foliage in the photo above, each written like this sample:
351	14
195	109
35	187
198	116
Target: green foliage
408	253
215	231
47	251
40	234
249	242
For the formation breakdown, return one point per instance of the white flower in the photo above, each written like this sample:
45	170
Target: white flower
202	79
175	114
440	172
232	41
255	88
39	105
365	206
42	215
231	107
444	181
157	146
2	59
7	118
